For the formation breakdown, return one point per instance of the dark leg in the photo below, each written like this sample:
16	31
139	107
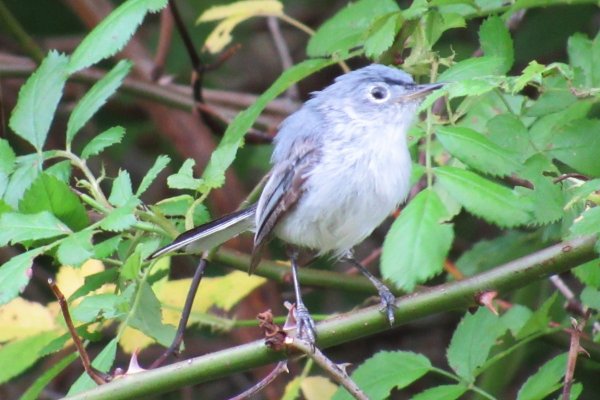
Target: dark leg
387	298
305	326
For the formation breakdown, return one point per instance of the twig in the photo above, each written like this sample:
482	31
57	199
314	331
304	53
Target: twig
284	53
97	376
574	350
164	43
573	304
571	175
280	368
185	315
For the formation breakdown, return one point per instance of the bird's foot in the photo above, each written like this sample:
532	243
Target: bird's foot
388	303
305	325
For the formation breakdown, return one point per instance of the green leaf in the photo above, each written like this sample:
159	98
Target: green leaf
105	139
147	317
473	68
15	274
34	391
486	199
101	306
472	341
515	318
545	381
28	168
132	265
111	35
591	297
76	249
348	27
544	130
38	99
161	162
509	132
531	73
382	33
442	392
385	371
95	281
8	158
575	144
589	273
583	56
539	320
48	193
417	244
61	170
107	248
96	97
184	178
587	223
17	356
477	151
496	41
121	218
556	96
223	156
103	361
17	228
122	191
437	23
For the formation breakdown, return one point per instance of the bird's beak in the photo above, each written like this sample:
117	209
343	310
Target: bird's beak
420	91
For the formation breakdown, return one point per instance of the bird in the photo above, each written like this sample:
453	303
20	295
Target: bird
340	167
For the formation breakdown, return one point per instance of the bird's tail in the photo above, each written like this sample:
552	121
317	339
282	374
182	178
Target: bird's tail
211	234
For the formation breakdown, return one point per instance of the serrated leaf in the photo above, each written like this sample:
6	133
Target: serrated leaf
385	371
587	223
132	265
591	297
486	199
48	193
121	218
496	41
95	281
575	144
147	317
103	361
105	139
531	73
477	151
16	357
509	132
589	273
442	392
96	97
347	28
547	197
28	168
107	247
111	35
539	320
76	249
231	16
437	23
544	130
583	56
61	171
556	96
416	246
473	68
382	33
161	162
472	341
184	178
17	227
38	99
104	305
15	274
122	191
7	157
223	156
545	381
515	318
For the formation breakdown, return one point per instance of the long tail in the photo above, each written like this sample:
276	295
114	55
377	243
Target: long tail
211	234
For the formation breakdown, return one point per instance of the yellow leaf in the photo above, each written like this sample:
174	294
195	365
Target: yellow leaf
318	388
69	279
232	15
132	340
21	318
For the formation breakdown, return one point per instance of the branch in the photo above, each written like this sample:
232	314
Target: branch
354	325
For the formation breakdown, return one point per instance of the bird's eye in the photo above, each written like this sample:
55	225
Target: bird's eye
379	94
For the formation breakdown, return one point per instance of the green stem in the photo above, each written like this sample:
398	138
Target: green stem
354	325
12	25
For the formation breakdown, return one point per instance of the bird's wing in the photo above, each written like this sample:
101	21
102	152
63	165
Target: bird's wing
281	193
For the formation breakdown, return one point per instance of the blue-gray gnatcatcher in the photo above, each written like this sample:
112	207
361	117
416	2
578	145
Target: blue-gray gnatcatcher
340	166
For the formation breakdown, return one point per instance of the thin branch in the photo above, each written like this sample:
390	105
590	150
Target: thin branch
279	369
359	323
164	43
284	53
12	25
574	350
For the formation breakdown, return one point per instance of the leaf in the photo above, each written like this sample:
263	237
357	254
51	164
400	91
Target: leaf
385	371
575	144
589	273
496	41
486	199
94	281
531	73
556	96
417	244
184	178
587	223
437	23
223	156
547	197
61	171
509	132
583	56
38	99
7	157
15	274
76	249
121	218
545	381
101	306
232	15
348	27
317	388
161	162
477	151
591	297
147	317
382	33
107	247
442	392
105	139
48	193
17	228
473	68
472	341
132	266
111	35
96	97
28	168
122	191
34	391
16	357
103	361
539	320
515	318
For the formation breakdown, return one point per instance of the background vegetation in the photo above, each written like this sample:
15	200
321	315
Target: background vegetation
108	152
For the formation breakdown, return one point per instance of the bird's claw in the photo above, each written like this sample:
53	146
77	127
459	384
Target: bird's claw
388	303
305	326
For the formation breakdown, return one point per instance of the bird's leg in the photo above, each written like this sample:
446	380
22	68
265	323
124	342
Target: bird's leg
305	326
387	298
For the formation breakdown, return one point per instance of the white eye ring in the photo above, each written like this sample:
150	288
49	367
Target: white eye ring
379	93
